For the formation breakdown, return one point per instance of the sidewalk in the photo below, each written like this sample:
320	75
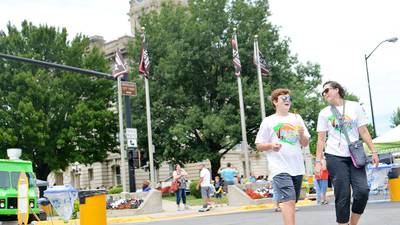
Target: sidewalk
170	212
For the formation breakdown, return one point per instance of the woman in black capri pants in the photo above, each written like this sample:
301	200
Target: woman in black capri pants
345	176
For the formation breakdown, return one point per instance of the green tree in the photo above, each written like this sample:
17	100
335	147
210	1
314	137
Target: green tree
395	119
56	117
194	96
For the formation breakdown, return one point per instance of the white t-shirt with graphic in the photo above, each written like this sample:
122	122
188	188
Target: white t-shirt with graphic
282	129
354	118
205	174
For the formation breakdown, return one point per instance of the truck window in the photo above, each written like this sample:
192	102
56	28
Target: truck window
4	180
15	177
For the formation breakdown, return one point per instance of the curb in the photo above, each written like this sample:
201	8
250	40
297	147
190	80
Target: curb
137	219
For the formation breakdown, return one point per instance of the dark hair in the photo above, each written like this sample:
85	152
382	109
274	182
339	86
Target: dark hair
336	85
228	164
276	93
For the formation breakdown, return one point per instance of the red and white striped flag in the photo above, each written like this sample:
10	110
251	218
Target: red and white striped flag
144	65
260	60
120	67
236	58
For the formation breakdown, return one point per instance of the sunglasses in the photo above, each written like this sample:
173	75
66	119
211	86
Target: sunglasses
325	91
286	98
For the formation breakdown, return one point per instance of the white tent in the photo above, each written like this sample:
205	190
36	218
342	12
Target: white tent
389	141
392	135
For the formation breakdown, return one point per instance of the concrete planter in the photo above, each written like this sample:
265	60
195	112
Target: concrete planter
237	197
152	203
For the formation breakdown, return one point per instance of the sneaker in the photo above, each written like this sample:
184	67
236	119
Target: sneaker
202	209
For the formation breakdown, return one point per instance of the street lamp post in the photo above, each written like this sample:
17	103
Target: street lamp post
394	39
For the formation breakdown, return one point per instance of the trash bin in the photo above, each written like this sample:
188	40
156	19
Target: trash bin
62	199
394	183
45	208
92	207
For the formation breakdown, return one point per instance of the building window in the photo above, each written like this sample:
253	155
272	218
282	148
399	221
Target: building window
117	175
90	172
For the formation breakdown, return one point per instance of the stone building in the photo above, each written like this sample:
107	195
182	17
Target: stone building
138	7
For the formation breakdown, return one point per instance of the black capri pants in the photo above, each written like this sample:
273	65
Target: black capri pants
344	175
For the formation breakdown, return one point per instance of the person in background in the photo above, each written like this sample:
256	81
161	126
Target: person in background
252	178
346	178
205	187
146	186
218	187
281	136
180	176
228	175
321	184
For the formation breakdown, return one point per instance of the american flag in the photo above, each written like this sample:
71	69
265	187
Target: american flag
120	67
144	66
236	58
260	59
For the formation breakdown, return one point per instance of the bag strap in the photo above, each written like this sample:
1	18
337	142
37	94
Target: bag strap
340	119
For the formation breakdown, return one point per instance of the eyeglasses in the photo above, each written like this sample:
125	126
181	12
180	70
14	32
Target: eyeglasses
286	98
326	90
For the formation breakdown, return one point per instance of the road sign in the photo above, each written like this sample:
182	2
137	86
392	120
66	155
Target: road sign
128	88
131	137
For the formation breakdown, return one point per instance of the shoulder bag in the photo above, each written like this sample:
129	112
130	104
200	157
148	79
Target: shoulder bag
356	148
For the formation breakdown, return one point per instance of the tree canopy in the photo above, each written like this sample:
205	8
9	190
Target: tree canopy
56	117
194	95
395	119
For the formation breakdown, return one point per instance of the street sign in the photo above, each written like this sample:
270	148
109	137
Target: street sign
128	88
131	137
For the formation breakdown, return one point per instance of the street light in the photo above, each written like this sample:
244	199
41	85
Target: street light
393	39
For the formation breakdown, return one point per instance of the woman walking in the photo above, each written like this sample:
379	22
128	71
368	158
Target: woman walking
345	176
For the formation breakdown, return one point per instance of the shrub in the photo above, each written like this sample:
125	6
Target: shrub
76	210
115	190
193	189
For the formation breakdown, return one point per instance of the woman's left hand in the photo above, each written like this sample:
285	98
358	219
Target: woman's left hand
375	159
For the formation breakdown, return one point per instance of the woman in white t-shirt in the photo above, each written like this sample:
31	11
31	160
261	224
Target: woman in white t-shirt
345	176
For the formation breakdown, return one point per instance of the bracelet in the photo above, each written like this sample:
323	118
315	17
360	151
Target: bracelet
317	161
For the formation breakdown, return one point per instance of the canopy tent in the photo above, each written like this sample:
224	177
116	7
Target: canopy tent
389	141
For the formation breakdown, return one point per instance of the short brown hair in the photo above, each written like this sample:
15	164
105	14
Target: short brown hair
277	92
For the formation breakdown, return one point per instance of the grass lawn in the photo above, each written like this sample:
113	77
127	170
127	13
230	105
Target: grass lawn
191	200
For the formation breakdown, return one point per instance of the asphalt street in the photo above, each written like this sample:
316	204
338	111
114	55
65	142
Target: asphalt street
384	213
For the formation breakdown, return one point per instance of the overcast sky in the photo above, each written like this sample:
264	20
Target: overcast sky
334	34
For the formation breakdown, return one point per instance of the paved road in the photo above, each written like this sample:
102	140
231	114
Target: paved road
386	213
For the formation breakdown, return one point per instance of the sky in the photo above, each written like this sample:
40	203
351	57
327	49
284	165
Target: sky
334	34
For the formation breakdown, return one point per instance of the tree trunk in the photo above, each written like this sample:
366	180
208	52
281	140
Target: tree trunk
215	165
41	170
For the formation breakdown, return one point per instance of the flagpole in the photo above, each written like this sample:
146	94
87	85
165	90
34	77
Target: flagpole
121	138
242	119
149	130
260	83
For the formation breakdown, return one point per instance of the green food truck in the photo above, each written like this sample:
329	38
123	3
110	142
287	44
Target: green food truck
9	175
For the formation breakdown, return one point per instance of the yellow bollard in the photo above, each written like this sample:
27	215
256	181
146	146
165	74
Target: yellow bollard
394	188
92	207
